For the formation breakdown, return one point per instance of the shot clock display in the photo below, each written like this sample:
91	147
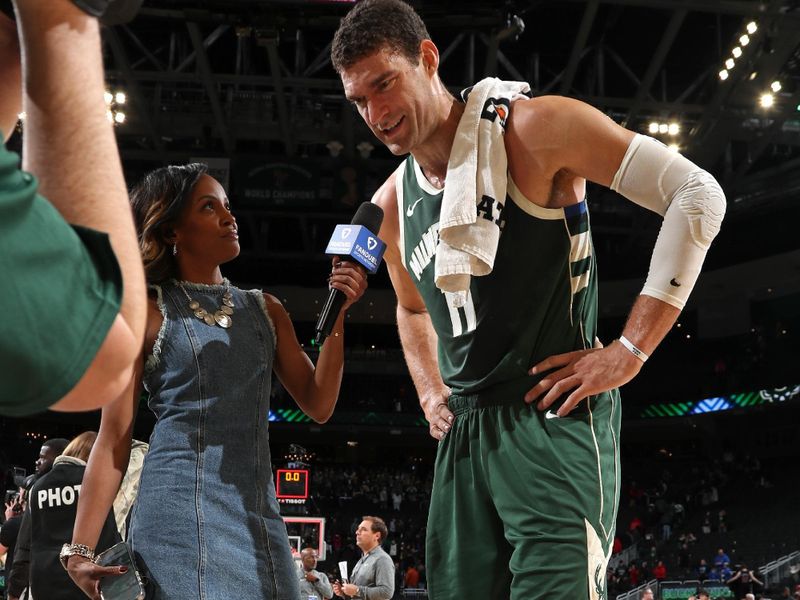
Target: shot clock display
291	484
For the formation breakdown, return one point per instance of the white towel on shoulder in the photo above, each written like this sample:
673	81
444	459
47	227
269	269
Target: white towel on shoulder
477	174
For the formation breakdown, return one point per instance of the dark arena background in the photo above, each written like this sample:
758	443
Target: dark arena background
710	445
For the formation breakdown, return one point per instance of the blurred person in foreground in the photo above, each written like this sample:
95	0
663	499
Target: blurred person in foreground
74	278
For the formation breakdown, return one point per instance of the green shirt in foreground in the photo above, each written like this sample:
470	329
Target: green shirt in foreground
62	292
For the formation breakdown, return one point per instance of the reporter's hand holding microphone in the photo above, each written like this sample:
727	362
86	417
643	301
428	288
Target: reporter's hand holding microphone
358	243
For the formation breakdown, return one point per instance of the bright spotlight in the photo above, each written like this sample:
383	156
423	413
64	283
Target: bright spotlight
744	40
776	86
752	27
119	118
729	64
674	129
109	97
653	128
120	98
674	147
723	75
766	100
737	52
663	128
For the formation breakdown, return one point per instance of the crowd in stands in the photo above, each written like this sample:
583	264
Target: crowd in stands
670	518
678	521
684	518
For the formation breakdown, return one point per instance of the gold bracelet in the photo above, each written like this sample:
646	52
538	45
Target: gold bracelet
68	550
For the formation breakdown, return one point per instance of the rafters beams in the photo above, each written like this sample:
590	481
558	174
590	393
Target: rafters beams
577	49
712	135
213	96
134	90
207	43
670	33
745	8
280	96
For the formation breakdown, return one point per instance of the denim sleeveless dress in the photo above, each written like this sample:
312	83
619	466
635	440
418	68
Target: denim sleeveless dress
206	523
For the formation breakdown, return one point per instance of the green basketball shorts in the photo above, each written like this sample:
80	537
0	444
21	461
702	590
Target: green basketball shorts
524	503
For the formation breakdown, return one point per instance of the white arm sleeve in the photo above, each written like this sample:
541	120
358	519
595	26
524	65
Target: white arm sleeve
692	204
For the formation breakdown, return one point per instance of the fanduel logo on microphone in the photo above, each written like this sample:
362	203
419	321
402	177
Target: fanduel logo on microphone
359	243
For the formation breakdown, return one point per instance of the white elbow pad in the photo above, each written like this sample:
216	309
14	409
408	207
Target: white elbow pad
692	204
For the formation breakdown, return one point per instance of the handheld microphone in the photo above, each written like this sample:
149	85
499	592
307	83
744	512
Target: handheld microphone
110	12
358	243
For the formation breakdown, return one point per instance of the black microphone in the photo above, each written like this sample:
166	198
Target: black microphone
360	245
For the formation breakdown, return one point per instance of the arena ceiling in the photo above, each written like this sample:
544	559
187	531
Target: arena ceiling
246	78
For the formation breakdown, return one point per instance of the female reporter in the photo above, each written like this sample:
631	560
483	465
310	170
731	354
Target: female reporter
206	521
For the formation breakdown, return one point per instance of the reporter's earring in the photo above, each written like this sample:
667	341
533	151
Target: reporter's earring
175	249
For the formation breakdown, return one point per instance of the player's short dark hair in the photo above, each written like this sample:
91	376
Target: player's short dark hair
372	25
377	526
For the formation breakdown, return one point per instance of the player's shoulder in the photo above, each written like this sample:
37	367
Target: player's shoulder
552	114
548	126
540	111
386	198
386	194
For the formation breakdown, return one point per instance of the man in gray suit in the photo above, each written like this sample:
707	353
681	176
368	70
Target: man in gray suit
373	575
312	582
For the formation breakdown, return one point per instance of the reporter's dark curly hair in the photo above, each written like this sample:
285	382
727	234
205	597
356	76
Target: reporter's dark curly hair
157	201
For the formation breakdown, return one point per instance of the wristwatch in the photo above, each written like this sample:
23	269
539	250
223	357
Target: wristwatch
68	550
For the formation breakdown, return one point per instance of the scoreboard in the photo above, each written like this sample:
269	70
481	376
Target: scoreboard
291	486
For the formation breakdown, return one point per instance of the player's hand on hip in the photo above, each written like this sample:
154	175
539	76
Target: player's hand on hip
437	413
581	373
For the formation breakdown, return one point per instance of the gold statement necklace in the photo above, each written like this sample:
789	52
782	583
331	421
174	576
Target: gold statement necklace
221	317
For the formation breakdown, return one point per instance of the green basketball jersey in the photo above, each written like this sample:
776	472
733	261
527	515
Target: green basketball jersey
540	299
